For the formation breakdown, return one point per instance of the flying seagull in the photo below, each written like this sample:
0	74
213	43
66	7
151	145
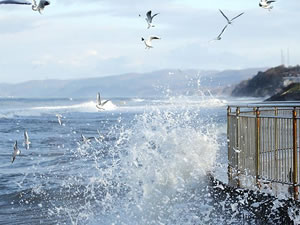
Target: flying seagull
16	152
35	7
228	20
266	4
100	104
26	140
41	6
219	37
15	2
148	42
149	18
59	118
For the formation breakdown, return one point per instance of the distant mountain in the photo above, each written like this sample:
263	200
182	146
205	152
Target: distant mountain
267	83
157	83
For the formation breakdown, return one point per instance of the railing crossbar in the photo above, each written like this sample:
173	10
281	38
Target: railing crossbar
267	138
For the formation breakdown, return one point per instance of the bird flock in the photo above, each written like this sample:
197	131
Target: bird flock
265	4
40	6
149	19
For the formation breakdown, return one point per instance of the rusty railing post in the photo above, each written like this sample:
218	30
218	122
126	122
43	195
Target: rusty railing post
295	155
238	145
229	146
257	143
276	144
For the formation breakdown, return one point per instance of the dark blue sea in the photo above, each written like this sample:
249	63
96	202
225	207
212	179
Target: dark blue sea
146	161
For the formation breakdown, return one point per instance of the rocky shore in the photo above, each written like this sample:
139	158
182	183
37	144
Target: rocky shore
279	82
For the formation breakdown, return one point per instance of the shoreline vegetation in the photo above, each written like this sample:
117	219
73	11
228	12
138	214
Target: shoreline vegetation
276	84
289	93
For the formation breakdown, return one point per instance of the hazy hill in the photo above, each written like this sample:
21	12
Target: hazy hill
131	84
267	83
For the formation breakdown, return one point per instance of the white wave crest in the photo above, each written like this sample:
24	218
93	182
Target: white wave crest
138	100
83	107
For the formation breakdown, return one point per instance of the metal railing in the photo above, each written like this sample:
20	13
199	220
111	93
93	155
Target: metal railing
263	145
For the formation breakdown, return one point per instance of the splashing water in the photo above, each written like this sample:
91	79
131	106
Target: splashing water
152	173
147	165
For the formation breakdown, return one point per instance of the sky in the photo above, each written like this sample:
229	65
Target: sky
76	39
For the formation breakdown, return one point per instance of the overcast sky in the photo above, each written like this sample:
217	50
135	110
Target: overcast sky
88	38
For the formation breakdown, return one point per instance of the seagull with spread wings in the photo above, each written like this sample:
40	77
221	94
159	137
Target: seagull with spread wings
228	20
41	6
148	42
59	119
35	7
266	4
100	104
26	140
16	152
149	18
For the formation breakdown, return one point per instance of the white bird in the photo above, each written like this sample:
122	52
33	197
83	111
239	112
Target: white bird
35	7
148	42
228	20
149	18
16	152
41	6
100	104
219	36
266	4
15	2
26	140
59	119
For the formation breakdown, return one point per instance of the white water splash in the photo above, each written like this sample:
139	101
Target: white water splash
168	159
138	100
37	111
153	173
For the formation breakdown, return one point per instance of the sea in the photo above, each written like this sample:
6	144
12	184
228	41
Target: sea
142	161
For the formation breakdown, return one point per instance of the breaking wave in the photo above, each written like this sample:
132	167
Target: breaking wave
152	173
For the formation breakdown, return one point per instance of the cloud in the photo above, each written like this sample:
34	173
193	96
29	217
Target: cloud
75	38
